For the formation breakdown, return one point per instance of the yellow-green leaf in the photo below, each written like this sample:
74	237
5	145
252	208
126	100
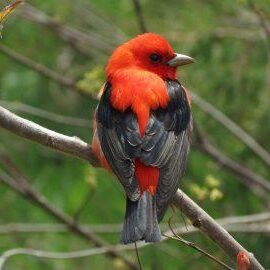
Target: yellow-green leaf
215	194
7	10
92	81
211	181
90	178
200	192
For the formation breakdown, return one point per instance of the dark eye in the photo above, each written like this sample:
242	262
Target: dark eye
155	58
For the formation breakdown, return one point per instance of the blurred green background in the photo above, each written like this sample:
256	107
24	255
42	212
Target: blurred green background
232	72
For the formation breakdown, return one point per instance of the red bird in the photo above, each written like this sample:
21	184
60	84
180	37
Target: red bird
143	130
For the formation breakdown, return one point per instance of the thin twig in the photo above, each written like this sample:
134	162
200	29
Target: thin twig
249	228
11	228
40	68
83	205
194	246
139	14
256	223
103	24
43	70
127	247
82	42
54	117
261	17
48	73
176	236
201	220
60	255
232	127
69	255
19	183
265	27
247	176
138	256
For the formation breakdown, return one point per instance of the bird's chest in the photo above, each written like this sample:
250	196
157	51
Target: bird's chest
141	96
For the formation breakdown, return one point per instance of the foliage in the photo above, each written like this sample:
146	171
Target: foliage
5	12
231	72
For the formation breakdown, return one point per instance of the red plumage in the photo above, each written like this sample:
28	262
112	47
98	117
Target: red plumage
142	90
147	177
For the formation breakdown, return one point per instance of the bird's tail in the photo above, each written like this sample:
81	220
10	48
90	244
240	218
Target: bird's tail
141	220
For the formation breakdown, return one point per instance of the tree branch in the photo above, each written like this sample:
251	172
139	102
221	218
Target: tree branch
20	184
75	38
48	73
232	127
247	176
201	220
200	102
27	129
236	224
74	146
96	19
78	148
261	18
44	71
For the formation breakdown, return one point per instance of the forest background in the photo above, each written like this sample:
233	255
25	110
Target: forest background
230	41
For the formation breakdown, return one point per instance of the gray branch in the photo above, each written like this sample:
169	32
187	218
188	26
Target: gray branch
229	124
76	147
256	223
32	131
205	106
79	40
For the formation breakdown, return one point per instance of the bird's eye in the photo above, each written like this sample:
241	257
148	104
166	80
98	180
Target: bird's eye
155	58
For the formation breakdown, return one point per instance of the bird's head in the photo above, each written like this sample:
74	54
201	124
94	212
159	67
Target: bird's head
147	52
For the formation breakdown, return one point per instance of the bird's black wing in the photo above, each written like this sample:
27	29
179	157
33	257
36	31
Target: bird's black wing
166	143
120	141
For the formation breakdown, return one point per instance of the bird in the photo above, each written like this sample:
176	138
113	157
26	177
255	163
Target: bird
142	132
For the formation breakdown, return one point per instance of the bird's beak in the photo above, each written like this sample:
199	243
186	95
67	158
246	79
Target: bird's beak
180	60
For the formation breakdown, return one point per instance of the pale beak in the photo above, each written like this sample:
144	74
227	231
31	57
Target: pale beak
180	60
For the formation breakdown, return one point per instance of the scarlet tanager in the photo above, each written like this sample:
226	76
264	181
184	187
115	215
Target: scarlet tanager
143	130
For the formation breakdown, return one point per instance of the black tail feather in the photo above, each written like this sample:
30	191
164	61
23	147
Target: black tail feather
141	221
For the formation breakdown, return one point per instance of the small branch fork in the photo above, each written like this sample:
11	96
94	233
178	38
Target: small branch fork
256	183
230	125
76	147
18	182
194	246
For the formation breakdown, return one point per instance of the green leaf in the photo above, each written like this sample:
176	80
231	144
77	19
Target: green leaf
5	12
